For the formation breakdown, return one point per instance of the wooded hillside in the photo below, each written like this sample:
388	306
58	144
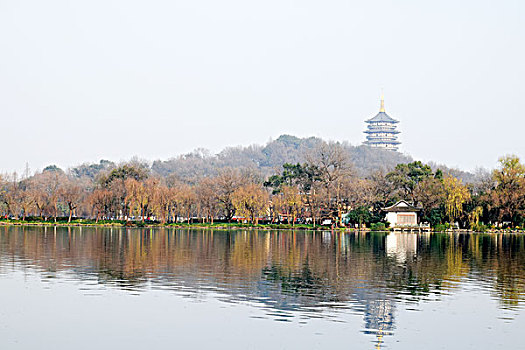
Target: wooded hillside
269	158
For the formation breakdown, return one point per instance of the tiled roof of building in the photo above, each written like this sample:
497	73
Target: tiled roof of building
402	206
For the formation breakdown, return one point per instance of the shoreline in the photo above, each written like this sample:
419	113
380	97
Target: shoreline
221	226
232	226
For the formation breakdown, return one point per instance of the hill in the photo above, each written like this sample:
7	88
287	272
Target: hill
269	158
265	160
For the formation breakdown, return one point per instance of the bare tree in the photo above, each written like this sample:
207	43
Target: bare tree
160	202
334	166
226	183
206	192
70	192
51	181
11	195
186	201
100	202
26	199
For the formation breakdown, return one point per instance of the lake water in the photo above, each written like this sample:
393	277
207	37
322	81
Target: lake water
88	288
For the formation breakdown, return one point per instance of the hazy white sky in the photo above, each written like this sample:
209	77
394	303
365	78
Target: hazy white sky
84	80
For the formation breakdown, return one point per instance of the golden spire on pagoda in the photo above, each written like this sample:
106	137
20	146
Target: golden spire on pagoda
382	108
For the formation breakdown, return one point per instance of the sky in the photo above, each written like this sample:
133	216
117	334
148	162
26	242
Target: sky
87	80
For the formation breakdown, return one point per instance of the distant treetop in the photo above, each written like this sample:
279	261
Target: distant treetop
52	168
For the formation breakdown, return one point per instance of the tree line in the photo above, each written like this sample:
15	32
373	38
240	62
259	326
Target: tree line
324	188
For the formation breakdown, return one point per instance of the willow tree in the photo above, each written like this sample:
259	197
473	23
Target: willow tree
251	200
186	201
276	207
159	199
206	194
292	202
26	201
138	196
456	194
508	196
474	216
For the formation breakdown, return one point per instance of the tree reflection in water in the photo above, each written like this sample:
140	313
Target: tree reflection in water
311	273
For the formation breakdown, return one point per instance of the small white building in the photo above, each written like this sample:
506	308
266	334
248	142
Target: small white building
402	214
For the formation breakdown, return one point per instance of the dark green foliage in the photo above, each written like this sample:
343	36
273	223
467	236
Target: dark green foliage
377	226
479	228
359	216
435	216
126	171
441	227
52	168
91	170
287	149
406	177
299	175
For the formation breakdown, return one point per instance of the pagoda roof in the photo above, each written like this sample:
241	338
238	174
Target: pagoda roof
381	130
377	140
382	117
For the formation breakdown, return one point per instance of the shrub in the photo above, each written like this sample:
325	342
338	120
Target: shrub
479	228
377	226
440	228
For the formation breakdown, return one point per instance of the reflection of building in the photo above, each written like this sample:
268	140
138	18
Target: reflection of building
402	214
401	246
381	132
379	314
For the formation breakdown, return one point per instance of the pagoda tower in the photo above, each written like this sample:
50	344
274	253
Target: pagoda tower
381	131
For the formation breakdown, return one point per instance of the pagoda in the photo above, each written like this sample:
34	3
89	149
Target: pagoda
381	132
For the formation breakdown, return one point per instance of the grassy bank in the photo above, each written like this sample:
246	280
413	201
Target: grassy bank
220	225
152	224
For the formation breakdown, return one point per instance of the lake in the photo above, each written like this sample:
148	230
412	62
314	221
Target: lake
87	288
